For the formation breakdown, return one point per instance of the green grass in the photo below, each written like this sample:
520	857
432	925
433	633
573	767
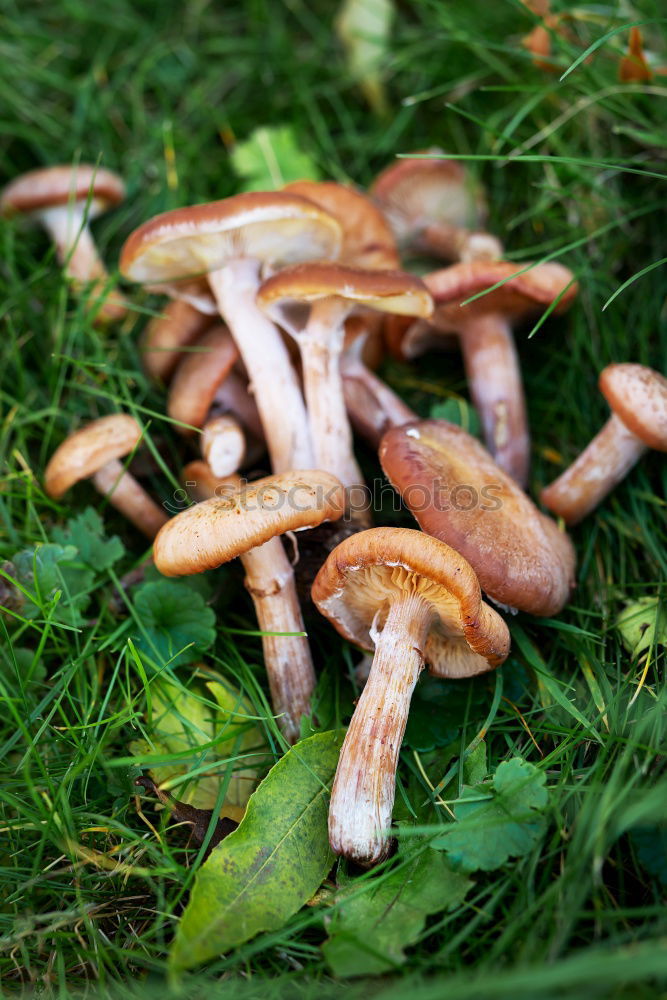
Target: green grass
575	171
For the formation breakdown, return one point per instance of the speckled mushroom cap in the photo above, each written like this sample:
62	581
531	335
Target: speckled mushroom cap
372	569
458	494
638	397
50	186
367	237
416	192
199	376
222	528
518	295
168	251
87	450
385	291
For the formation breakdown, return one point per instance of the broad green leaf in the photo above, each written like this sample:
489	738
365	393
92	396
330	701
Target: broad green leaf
46	569
364	28
643	624
270	158
190	718
437	708
497	820
459	412
86	533
177	626
271	865
374	921
651	846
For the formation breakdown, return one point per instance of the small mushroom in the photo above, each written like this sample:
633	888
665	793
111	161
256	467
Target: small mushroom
223	445
333	291
371	405
458	494
489	352
416	601
94	452
177	326
435	207
212	255
246	521
638	400
64	200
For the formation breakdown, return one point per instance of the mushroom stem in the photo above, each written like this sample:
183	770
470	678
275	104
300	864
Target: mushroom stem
270	582
373	407
321	347
233	397
223	445
600	467
456	243
273	380
492	366
125	494
77	252
362	797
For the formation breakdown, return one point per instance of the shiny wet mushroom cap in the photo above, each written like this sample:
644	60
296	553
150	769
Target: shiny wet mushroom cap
457	493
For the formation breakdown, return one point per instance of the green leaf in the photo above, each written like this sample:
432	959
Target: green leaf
271	158
177	626
437	708
364	28
499	820
459	412
86	533
643	624
46	569
267	869
375	921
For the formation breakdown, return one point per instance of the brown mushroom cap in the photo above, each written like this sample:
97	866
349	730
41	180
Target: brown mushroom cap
45	188
220	529
638	397
198	377
372	569
277	228
518	295
367	237
385	291
418	192
457	493
86	451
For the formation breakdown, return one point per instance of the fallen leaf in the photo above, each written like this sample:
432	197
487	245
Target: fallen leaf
643	624
364	28
270	158
633	67
374	921
271	865
497	820
198	819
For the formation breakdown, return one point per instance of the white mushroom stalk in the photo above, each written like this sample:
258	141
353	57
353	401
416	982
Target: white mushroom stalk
124	493
372	406
223	445
362	797
273	381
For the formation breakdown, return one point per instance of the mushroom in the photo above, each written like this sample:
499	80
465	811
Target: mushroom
489	352
416	601
458	494
333	291
372	406
246	521
435	207
64	200
177	326
223	445
94	453
228	242
638	400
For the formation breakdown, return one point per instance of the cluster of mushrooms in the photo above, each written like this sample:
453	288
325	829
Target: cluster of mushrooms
283	303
